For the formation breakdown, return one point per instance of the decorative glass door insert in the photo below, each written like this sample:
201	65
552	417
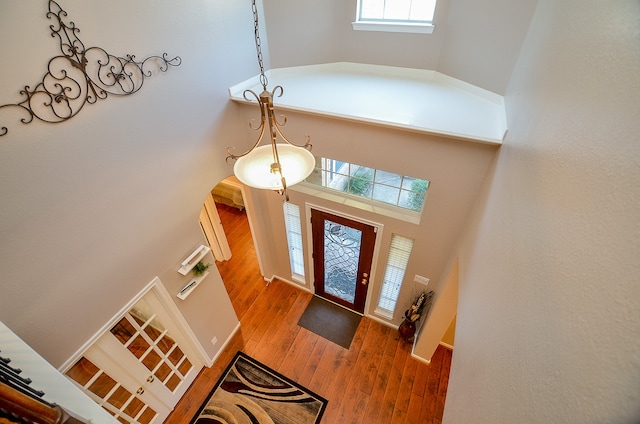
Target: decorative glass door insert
342	255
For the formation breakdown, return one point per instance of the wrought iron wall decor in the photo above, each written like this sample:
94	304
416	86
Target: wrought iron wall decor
81	76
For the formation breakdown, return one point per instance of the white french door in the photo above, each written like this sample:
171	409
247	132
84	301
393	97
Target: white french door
141	366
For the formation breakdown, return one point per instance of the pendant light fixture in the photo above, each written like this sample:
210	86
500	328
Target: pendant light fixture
275	166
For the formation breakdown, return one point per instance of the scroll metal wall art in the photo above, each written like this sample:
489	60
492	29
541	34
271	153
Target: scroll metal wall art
81	75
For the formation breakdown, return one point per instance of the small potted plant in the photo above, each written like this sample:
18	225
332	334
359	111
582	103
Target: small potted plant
200	268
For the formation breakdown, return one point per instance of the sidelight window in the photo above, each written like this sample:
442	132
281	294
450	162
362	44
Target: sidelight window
294	240
397	261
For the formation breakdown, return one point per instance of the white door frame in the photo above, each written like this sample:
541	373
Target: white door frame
189	338
108	352
213	231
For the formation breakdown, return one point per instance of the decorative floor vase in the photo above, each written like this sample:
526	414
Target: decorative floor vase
407	330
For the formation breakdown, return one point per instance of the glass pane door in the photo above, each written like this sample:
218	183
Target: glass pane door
139	368
125	406
141	333
342	254
341	259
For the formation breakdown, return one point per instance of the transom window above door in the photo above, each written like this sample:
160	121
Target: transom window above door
379	186
395	15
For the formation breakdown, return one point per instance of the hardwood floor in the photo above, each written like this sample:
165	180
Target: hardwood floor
375	381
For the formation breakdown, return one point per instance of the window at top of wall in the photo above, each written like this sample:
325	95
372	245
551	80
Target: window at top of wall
374	184
395	15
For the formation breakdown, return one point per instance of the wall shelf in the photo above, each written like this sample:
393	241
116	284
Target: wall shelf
190	286
191	261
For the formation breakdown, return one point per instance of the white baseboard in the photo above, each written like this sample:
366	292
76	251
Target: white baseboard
224	345
381	321
292	283
446	345
420	358
428	361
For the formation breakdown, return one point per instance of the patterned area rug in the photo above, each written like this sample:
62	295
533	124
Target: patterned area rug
251	393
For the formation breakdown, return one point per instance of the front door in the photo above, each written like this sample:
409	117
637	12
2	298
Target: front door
342	258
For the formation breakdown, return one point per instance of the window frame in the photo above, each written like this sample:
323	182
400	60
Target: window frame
392	25
330	172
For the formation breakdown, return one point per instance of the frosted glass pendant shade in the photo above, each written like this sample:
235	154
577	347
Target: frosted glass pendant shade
254	169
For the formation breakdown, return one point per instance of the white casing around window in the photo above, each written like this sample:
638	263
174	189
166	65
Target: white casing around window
393	27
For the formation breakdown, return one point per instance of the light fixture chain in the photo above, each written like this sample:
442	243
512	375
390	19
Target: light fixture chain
260	169
256	30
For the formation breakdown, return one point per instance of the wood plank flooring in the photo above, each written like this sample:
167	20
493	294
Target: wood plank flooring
375	381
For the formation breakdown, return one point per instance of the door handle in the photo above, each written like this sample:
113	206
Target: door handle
150	379
140	390
364	279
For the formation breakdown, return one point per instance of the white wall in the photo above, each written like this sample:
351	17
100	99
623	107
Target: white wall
477	42
548	325
439	318
323	33
94	208
455	169
482	40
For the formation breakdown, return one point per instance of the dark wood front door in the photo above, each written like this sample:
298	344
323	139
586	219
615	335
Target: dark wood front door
342	257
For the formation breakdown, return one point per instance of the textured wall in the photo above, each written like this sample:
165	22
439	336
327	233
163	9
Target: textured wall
477	42
94	208
454	168
548	326
482	40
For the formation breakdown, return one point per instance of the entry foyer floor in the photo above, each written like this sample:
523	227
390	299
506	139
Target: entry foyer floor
375	381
